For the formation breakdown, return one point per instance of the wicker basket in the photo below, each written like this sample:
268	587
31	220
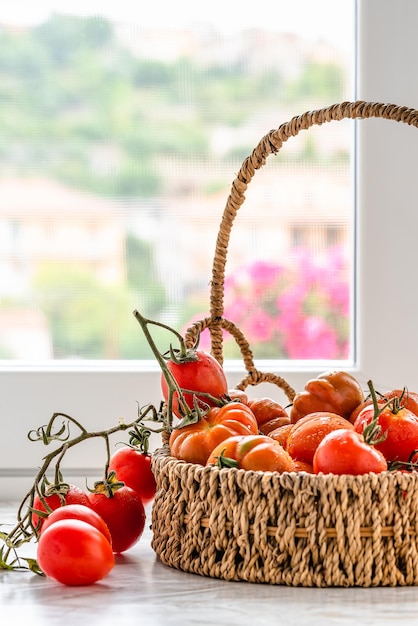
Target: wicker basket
294	529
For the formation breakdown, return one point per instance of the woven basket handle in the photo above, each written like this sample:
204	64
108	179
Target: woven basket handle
271	144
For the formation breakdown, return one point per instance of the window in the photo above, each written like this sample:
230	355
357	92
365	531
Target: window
385	303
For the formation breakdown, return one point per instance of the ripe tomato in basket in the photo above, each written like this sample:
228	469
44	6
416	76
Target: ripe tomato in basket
399	429
345	451
336	392
269	414
309	431
194	442
252	452
203	375
407	399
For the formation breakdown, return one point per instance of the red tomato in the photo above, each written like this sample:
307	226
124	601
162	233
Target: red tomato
194	443
205	375
336	392
124	515
269	414
344	451
73	495
408	399
253	452
77	511
74	552
399	428
133	467
307	433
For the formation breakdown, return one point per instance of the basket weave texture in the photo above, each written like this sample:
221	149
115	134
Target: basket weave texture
294	529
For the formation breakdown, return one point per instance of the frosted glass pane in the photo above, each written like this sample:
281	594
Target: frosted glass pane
120	137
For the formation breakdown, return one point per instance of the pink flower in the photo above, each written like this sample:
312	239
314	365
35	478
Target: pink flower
260	327
264	276
311	338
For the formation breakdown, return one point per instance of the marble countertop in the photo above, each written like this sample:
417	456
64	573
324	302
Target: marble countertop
141	590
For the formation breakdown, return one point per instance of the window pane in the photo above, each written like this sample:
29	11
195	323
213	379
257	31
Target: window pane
121	135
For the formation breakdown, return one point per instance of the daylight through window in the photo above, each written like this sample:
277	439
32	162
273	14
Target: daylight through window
120	138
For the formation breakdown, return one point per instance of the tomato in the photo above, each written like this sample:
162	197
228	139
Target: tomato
345	451
399	427
269	414
281	434
133	467
307	433
203	376
123	513
302	466
194	442
237	394
335	392
407	399
252	452
74	552
81	512
56	497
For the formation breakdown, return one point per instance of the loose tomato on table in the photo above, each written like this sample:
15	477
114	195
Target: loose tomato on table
305	436
56	496
345	451
269	414
251	452
194	442
337	392
74	552
80	512
198	372
133	467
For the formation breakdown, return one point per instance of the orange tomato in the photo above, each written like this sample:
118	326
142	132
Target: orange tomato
336	392
281	434
309	431
253	452
194	442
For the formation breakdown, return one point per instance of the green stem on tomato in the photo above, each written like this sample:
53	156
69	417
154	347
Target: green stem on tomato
373	433
173	387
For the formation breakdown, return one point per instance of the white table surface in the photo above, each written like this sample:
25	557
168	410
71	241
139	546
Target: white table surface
141	590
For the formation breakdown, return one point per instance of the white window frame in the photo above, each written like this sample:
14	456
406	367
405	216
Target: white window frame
99	394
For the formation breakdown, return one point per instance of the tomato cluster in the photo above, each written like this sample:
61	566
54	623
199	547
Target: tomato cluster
332	426
80	532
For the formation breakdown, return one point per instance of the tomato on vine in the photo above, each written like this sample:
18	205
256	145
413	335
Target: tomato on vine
133	467
122	510
399	428
54	497
199	373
